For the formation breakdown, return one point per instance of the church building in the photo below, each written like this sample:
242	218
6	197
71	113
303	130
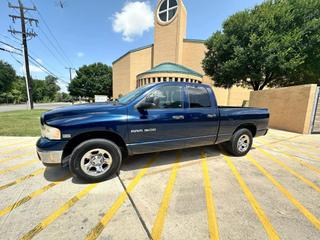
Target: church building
171	58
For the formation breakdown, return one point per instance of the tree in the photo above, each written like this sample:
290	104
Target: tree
63	97
7	76
275	44
94	79
51	87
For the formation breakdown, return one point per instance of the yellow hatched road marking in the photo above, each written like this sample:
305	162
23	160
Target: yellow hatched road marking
290	170
11	144
272	234
211	210
300	151
17	156
97	230
27	198
24	164
18	148
19	180
314	220
162	212
296	159
52	217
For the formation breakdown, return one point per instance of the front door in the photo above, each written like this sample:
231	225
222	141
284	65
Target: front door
162	126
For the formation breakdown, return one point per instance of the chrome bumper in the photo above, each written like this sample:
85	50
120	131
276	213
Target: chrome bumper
50	157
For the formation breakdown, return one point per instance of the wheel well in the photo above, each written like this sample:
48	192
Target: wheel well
251	127
74	142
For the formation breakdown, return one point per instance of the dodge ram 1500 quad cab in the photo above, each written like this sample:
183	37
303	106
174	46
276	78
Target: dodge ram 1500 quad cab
92	139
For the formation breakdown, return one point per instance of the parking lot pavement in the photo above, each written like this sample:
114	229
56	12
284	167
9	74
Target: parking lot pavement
199	193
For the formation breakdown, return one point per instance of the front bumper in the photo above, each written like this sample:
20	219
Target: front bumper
50	152
50	157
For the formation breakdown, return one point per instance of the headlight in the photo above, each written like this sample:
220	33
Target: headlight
50	132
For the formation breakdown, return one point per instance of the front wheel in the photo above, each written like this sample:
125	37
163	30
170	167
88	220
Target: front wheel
240	143
95	160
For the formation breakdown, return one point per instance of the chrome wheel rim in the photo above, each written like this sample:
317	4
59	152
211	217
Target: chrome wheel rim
96	162
243	143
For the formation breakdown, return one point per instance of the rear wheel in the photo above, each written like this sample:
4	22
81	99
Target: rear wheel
95	160
240	143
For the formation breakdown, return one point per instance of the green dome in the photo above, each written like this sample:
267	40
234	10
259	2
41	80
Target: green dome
172	68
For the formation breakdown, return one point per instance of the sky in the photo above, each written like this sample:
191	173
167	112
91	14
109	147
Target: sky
88	31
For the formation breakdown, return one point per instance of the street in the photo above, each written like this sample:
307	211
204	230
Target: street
17	107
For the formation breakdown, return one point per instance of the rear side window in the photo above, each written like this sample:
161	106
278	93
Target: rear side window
199	97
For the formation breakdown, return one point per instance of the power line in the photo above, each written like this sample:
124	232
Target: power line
33	60
62	52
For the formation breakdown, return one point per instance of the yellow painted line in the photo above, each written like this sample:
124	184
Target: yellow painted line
19	180
300	151
52	217
12	144
274	142
290	170
24	164
17	156
211	210
97	230
18	148
162	212
314	220
296	159
27	198
271	232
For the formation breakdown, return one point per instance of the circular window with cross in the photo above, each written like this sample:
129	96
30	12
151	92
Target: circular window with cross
167	11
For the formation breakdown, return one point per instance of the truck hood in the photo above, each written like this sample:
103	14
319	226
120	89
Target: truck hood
81	110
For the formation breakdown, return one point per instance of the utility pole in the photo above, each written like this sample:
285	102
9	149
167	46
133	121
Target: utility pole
25	34
70	72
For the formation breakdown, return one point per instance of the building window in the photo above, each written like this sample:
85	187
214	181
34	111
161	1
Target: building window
159	79
164	79
176	79
154	80
167	10
170	79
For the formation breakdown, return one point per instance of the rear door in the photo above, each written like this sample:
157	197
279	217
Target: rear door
162	127
202	115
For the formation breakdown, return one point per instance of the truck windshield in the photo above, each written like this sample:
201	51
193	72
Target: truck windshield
132	95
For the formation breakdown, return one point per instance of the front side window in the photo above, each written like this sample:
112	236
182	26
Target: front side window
166	97
199	97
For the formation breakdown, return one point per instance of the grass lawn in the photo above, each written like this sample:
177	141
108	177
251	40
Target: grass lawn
20	123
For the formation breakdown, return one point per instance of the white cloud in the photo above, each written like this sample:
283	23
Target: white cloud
134	19
73	74
8	48
80	54
39	60
33	69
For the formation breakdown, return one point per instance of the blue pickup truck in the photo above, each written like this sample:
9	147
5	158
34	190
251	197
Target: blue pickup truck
92	139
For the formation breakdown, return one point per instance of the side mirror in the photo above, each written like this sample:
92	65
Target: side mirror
145	105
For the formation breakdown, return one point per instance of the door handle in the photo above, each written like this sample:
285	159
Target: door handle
178	117
211	115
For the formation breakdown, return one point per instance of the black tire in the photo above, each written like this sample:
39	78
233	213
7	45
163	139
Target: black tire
85	147
232	146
